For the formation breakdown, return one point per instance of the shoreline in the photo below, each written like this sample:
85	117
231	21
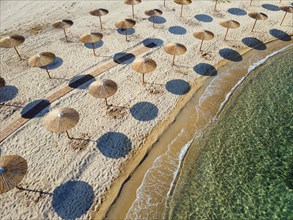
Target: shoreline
162	127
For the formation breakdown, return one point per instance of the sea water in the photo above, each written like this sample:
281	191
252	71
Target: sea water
245	167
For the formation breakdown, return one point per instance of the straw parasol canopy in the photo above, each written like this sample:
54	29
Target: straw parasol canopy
182	2
12	170
125	24
132	3
203	35
2	82
91	38
103	89
61	120
63	24
42	60
286	9
12	41
152	13
99	12
175	49
229	24
143	65
257	16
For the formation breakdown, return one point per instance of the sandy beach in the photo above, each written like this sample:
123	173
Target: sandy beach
80	177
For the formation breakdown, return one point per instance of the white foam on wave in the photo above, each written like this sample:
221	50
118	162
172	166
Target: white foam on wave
250	69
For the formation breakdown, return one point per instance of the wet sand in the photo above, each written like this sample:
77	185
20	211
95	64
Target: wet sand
198	113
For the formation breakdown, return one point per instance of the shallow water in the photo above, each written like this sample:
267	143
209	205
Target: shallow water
245	168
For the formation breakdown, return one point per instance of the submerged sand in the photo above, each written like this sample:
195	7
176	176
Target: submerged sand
79	173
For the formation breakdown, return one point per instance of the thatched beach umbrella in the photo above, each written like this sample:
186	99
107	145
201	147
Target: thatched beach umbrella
2	82
12	170
229	24
99	12
63	24
175	49
152	13
132	3
144	65
42	60
203	35
91	38
12	41
286	9
182	2
125	24
257	16
103	89
61	120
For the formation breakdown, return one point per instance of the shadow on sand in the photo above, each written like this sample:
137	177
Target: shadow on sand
81	81
144	111
56	64
114	145
230	54
205	69
8	93
35	108
237	11
178	87
157	20
152	42
254	43
177	30
203	18
281	35
123	58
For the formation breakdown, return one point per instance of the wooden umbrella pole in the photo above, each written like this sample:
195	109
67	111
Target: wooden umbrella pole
93	45
106	102
101	22
226	33
173	62
283	18
133	11
153	18
17	53
254	25
143	78
181	10
250	2
68	135
126	34
201	45
48	73
216	5
164	3
65	34
19	187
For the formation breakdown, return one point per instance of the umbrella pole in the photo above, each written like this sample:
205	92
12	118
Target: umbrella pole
153	18
283	18
17	53
68	135
254	25
164	3
181	10
173	62
101	22
93	45
216	5
226	33
65	34
201	45
133	11
106	102
126	34
143	78
48	73
250	2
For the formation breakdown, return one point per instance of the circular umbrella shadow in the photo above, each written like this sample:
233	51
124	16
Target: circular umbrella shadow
177	87
130	31
157	20
56	63
81	81
254	43
8	93
152	42
33	108
281	35
178	30
270	7
144	111
95	45
205	69
123	58
237	11
114	145
72	199
230	54
203	18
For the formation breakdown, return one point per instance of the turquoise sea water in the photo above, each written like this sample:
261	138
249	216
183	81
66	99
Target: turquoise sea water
245	168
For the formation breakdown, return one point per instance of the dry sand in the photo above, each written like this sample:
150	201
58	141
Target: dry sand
112	136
